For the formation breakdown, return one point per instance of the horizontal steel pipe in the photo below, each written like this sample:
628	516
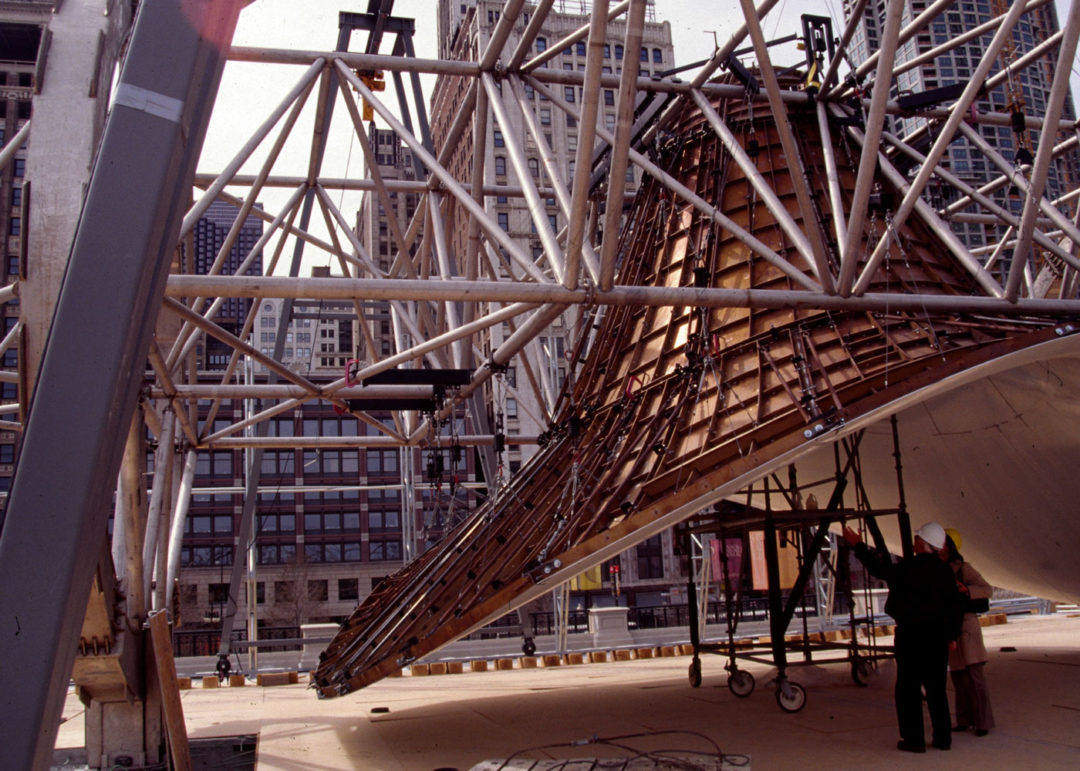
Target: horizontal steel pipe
401	289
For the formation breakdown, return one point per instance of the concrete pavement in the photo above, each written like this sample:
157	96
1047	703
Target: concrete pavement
461	720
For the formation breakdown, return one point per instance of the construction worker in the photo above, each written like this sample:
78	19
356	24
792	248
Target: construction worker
926	605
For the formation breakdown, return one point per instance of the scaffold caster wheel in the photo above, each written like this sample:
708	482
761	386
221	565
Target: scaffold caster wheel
861	670
695	673
790	696
740	683
528	647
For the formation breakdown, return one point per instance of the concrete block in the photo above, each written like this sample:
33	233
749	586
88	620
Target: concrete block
397	673
437	668
454	667
420	670
686	650
622	654
271	679
237	681
504	664
644	653
210	681
551	660
528	662
598	657
574	658
183	683
667	650
478	666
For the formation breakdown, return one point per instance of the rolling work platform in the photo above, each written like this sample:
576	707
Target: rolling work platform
738	544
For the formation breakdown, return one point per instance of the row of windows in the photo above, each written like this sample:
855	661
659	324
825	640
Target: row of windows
318	590
581	49
285	553
384	516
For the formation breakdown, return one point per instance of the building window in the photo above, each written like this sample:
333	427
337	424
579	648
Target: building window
219	594
644	54
568	93
545	116
318	591
504	221
20	167
541	44
534	168
284	591
276	553
607	51
650	558
609	97
381	551
382	461
498	139
618	52
500	166
348	589
657	56
276	522
580	48
15	226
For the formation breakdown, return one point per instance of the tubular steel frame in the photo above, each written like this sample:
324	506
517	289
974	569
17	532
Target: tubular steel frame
827	269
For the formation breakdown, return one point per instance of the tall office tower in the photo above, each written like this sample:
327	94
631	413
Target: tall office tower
21	28
522	397
1024	94
519	400
376	231
211	234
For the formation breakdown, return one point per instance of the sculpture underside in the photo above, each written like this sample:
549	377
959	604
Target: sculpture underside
670	409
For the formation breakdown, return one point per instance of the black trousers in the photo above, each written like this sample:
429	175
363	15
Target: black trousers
922	660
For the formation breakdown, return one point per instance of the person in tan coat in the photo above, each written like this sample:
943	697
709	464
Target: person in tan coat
967	657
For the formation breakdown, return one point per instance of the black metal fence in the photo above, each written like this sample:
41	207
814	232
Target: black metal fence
206	642
664	616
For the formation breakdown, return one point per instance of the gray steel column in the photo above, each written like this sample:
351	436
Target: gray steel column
60	501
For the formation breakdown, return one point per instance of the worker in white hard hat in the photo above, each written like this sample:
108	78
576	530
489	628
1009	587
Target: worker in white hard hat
927	606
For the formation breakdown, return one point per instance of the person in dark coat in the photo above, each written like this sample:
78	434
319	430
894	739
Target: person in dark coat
927	607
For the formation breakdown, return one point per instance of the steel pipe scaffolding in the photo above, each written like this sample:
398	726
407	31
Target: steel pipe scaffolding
779	279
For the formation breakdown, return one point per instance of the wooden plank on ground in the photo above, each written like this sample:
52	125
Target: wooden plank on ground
165	669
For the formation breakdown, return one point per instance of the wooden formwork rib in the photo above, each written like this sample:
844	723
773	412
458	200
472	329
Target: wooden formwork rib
673	403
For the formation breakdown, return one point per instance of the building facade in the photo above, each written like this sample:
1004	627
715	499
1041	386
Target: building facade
646	574
21	27
214	231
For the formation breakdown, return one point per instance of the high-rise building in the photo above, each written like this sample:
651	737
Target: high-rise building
373	228
465	28
212	231
21	28
1025	93
651	569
